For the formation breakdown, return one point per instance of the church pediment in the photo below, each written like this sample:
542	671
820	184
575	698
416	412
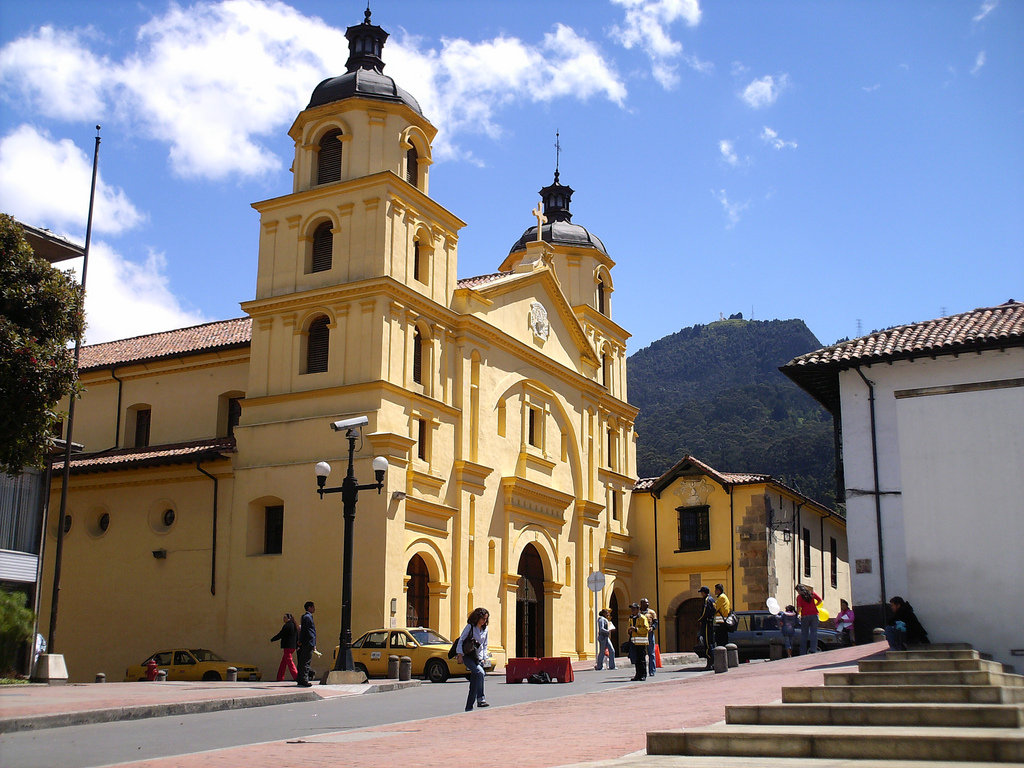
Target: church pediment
531	307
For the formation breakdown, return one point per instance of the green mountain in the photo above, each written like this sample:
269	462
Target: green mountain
715	392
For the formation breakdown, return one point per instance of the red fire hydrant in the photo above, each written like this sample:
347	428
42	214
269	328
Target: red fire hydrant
151	670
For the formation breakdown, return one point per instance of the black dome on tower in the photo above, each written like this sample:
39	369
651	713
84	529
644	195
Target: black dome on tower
365	76
559	229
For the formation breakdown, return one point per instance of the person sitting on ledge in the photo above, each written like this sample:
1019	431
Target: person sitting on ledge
906	629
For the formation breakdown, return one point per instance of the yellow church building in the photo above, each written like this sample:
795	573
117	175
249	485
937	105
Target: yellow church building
499	402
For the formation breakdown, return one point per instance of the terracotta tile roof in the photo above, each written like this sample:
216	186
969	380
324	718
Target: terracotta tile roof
479	280
688	462
150	456
987	328
181	341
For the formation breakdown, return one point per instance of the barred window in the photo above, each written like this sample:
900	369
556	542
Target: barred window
273	540
694	529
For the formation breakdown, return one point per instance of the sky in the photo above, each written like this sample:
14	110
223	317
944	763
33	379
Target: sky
857	165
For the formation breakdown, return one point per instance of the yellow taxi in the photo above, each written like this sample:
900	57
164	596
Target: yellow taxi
427	649
192	664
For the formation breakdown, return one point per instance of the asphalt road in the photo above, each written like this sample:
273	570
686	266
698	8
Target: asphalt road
92	746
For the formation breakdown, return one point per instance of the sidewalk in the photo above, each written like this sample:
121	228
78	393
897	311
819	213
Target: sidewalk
556	732
34	706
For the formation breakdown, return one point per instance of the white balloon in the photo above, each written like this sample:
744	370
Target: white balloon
773	605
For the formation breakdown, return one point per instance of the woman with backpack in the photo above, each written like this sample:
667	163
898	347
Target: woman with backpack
471	650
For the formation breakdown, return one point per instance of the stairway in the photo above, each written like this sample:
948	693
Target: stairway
940	704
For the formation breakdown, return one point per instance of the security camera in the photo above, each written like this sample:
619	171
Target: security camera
355	421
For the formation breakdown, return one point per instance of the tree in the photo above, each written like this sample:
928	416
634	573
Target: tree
40	315
15	628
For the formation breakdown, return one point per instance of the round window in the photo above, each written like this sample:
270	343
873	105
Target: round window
104	521
67	524
168	518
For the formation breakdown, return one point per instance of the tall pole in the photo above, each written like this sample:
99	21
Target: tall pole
65	475
349	493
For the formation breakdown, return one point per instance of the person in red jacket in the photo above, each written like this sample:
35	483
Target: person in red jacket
807	602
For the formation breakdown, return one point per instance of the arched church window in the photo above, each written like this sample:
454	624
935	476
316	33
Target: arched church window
328	162
606	371
323	248
412	167
318	345
416	266
417	356
600	297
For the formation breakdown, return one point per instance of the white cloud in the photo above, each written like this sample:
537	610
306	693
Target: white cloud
979	62
764	91
871	88
125	299
646	27
732	210
210	76
45	183
771	137
986	8
728	153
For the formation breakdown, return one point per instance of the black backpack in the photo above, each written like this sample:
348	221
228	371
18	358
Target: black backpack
539	677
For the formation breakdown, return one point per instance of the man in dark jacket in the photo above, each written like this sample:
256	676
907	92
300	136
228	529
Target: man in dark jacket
707	625
307	642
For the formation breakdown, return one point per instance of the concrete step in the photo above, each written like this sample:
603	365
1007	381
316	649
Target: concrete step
641	760
910	694
920	654
993	745
929	665
943	647
923	678
897	714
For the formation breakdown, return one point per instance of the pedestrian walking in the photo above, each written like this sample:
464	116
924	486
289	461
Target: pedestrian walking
639	631
906	629
472	651
722	610
787	623
652	622
289	637
807	602
307	644
707	626
604	640
844	622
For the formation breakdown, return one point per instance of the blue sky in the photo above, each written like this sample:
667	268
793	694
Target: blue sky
839	162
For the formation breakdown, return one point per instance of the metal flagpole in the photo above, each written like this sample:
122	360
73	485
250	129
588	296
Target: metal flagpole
51	640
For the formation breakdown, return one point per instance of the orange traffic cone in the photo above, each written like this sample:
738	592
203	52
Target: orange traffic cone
657	656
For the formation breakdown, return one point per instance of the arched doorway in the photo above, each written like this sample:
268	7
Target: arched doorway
687	630
530	605
613	606
417	596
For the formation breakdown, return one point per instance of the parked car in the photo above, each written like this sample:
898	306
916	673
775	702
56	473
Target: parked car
755	630
427	649
192	664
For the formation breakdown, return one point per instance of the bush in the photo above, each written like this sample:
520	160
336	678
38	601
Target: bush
15	628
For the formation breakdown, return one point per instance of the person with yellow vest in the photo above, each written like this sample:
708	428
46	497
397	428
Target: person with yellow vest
722	609
639	627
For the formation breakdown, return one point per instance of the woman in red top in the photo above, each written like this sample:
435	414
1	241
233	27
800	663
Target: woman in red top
807	602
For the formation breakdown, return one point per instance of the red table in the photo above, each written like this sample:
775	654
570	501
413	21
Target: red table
558	667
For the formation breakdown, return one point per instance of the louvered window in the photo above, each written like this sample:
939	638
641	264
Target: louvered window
412	167
323	246
600	296
328	162
416	261
318	346
417	357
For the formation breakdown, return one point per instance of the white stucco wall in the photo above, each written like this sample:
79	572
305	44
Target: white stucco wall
952	476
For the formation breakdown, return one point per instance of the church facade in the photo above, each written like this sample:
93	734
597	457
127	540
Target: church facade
499	402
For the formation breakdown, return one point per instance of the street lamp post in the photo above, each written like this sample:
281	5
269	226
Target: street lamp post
349	490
